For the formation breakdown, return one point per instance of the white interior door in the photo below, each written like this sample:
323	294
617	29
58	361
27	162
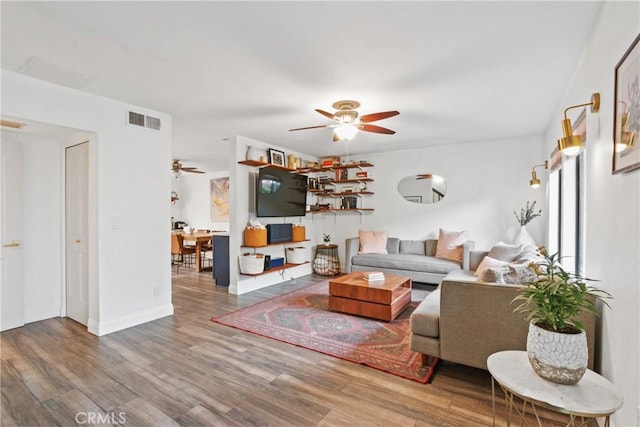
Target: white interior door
12	289
76	232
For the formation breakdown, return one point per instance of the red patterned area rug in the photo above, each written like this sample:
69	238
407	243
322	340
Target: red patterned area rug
302	318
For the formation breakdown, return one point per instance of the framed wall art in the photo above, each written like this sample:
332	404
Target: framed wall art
626	110
276	157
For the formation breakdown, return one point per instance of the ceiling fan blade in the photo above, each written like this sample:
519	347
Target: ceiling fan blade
377	129
188	168
367	118
191	170
310	127
324	113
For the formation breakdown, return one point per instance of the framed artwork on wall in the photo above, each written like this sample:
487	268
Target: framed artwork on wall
626	111
219	197
276	157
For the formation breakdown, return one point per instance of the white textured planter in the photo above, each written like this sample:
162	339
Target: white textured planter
561	358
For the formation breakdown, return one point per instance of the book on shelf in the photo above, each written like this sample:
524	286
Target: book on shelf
373	275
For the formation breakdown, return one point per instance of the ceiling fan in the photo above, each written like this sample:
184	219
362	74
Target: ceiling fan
177	169
348	121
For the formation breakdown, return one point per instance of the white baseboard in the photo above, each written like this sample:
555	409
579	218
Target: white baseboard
36	317
124	322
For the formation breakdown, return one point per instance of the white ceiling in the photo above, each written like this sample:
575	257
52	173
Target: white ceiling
456	71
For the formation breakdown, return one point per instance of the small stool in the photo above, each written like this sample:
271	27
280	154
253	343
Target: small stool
327	261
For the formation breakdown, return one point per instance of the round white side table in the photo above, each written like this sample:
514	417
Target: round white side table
592	397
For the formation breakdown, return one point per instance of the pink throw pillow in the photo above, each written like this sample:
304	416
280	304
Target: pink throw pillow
450	244
373	242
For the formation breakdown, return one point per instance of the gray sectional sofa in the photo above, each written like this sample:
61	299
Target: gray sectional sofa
411	258
465	321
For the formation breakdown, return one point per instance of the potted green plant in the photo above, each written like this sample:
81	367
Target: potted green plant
554	299
326	238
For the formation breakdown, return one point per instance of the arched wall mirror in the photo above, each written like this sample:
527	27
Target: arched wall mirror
423	188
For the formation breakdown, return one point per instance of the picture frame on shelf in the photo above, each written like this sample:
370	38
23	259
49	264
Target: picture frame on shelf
276	157
626	110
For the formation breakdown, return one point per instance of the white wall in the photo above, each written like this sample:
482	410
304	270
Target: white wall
486	181
612	205
195	199
129	183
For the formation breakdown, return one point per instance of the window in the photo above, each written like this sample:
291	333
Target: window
566	205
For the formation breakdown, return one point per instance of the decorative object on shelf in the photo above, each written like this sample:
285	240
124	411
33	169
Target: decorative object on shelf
257	154
527	214
276	157
255	234
298	232
626	110
554	299
296	255
535	181
571	144
326	238
251	263
347	121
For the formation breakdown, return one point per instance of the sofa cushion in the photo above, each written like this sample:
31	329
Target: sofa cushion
406	262
415	247
450	244
373	242
505	252
425	319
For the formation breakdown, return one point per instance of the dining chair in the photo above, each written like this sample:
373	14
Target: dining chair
181	254
206	251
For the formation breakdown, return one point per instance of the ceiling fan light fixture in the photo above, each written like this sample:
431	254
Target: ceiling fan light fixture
346	131
176	174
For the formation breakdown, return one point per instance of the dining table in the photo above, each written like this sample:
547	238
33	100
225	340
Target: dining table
199	238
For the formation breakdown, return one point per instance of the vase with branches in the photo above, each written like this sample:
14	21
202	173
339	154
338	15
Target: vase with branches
527	214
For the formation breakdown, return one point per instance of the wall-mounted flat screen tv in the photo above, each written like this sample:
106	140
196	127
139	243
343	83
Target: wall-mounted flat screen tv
280	193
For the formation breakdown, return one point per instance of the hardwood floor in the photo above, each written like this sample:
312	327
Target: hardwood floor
186	370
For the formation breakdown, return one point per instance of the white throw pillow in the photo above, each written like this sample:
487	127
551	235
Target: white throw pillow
450	244
373	242
505	252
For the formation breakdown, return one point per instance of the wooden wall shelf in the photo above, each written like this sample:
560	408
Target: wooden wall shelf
274	269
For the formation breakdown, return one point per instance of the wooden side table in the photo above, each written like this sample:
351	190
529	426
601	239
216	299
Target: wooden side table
592	397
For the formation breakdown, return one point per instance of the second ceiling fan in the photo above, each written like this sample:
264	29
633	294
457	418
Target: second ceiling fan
348	121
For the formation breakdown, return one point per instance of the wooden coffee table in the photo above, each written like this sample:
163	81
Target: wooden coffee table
382	299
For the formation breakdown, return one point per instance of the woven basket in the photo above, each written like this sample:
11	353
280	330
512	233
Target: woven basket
296	255
251	263
298	233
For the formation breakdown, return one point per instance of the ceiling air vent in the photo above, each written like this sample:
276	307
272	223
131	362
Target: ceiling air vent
152	123
138	119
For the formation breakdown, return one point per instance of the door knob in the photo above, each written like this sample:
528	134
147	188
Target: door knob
13	244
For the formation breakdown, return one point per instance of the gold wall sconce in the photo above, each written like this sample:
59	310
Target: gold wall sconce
535	181
571	144
626	137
